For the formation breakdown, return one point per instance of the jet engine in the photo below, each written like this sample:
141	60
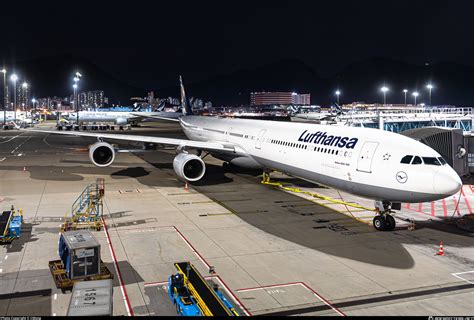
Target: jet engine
102	154
189	166
121	121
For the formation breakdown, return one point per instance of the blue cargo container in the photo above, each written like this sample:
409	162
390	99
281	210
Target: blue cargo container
80	253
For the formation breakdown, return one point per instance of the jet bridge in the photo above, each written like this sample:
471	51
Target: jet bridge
451	143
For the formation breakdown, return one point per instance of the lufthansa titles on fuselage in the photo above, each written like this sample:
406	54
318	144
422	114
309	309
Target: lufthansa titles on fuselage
323	138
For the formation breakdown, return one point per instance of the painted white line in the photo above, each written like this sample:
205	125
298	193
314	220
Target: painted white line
6	257
457	275
190	246
304	285
463	272
11	138
55	296
155	284
1	270
236	300
268	287
122	286
3	159
13	151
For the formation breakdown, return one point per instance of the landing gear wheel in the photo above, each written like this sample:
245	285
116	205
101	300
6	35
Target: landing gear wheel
379	223
390	223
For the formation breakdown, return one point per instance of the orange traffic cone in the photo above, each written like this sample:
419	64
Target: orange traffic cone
440	251
186	186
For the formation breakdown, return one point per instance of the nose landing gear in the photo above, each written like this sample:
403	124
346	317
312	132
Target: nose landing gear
384	221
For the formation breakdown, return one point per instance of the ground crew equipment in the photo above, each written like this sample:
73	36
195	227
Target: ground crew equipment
87	210
79	254
10	225
194	296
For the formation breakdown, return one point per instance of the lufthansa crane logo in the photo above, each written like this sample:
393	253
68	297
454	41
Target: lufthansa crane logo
402	177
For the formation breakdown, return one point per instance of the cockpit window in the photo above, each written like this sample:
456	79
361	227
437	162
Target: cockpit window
431	161
442	161
406	159
416	160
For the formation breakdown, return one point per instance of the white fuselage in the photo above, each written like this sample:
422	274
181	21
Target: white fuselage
116	117
10	116
361	161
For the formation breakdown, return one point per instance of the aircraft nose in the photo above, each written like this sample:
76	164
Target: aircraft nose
447	183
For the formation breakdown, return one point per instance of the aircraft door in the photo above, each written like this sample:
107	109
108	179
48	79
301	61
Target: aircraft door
364	163
258	142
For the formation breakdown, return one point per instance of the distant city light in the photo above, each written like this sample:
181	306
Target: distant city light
74	86
429	86
76	79
338	92
78	74
14	77
4	70
405	90
24	85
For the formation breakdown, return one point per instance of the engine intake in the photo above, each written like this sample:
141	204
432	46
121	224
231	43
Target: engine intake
189	166
102	154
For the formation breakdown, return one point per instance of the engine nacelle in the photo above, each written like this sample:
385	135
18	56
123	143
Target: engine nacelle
121	121
102	154
189	166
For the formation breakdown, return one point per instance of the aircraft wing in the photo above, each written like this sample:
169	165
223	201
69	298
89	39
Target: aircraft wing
199	145
170	116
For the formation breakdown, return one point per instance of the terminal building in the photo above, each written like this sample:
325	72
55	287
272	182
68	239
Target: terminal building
284	98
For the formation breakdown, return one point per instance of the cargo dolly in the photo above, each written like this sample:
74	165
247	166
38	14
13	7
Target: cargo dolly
193	296
10	225
80	260
63	282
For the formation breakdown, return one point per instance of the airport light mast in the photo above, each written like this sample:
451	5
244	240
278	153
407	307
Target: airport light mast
338	92
429	86
405	91
5	103
74	86
384	90
14	78
415	94
76	102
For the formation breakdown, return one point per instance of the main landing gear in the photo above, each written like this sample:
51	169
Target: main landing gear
384	221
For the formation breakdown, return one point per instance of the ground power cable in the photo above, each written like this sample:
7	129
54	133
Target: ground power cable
457	204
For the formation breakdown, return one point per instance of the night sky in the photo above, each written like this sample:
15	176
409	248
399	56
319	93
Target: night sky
148	43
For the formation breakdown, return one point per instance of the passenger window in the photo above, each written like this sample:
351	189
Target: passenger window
406	159
442	161
431	161
417	160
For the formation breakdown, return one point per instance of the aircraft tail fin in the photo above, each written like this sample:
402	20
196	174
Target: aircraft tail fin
136	107
161	105
185	106
338	108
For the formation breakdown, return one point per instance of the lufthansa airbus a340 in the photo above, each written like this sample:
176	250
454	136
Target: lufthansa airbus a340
375	164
